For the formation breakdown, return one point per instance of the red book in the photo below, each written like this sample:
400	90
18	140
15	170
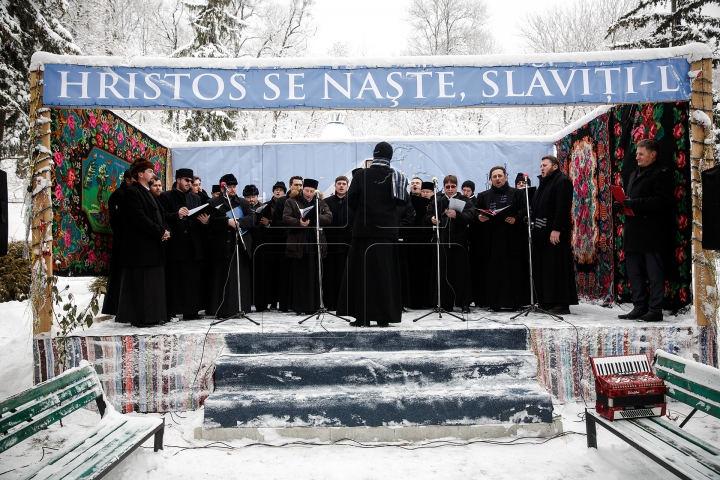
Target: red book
619	195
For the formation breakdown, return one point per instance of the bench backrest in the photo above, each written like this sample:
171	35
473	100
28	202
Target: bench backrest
691	383
26	413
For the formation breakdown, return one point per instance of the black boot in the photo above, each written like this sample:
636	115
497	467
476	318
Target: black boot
651	317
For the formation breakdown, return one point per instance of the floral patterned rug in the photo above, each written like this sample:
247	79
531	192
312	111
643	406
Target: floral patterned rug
602	153
91	149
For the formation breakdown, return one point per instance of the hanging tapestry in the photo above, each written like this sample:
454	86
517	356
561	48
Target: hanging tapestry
668	124
91	149
584	156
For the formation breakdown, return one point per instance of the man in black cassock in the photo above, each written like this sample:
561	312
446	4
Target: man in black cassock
371	286
454	274
269	257
184	250
280	237
502	276
553	265
302	245
339	237
142	288
223	299
112	291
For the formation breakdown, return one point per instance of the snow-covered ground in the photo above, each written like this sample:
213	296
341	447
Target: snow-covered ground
565	457
185	457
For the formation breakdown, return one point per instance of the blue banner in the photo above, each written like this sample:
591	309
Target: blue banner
602	82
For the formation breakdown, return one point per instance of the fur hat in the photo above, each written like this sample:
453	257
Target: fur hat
140	165
250	190
470	184
228	179
183	173
427	186
309	182
520	177
280	184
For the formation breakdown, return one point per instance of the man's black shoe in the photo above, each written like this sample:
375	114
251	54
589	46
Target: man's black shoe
633	314
651	317
357	324
383	324
560	310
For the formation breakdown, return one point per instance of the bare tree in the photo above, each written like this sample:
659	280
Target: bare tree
284	29
579	27
449	27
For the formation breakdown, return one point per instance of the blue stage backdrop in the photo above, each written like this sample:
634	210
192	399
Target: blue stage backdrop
265	163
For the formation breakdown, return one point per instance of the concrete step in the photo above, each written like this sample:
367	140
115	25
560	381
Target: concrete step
388	339
281	371
340	406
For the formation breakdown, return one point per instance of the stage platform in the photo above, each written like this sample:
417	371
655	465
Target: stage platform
170	368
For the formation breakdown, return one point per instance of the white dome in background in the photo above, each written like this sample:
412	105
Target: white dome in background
335	130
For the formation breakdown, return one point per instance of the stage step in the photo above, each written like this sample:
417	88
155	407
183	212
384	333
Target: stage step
391	405
234	372
380	340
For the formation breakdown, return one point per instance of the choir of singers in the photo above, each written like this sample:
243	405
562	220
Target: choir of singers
376	238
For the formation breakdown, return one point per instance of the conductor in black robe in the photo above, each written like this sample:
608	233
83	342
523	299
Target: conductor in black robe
553	265
302	245
223	301
454	273
184	249
502	275
142	288
339	237
115	204
371	287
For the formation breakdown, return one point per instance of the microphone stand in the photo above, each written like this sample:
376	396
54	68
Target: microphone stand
322	310
238	234
438	309
534	306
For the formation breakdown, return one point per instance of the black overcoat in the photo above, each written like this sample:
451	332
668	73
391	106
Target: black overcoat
651	192
186	240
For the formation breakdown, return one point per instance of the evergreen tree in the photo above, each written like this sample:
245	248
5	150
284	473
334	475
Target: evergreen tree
684	23
26	26
216	30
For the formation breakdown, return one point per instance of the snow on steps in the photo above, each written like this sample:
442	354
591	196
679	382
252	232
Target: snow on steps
379	384
236	372
341	406
380	340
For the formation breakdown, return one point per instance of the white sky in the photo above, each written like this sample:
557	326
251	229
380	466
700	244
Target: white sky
378	28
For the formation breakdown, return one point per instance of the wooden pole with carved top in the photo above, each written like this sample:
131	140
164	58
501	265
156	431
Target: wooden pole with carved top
701	155
41	217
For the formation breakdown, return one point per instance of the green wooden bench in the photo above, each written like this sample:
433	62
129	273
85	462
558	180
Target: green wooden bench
680	452
99	450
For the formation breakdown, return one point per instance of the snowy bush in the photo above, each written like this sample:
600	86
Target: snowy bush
14	274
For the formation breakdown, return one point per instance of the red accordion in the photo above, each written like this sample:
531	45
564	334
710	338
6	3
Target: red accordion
626	387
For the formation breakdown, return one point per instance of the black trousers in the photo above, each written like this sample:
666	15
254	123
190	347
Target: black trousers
641	267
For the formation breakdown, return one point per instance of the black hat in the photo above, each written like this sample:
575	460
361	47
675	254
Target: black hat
468	183
183	173
280	184
216	189
520	177
427	186
250	190
383	150
229	179
309	182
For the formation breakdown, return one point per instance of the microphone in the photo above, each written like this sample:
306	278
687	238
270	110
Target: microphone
434	179
526	176
223	185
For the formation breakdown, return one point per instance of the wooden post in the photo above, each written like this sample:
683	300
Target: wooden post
701	155
42	217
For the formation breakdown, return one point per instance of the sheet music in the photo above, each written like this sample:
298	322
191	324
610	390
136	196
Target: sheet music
304	211
457	205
